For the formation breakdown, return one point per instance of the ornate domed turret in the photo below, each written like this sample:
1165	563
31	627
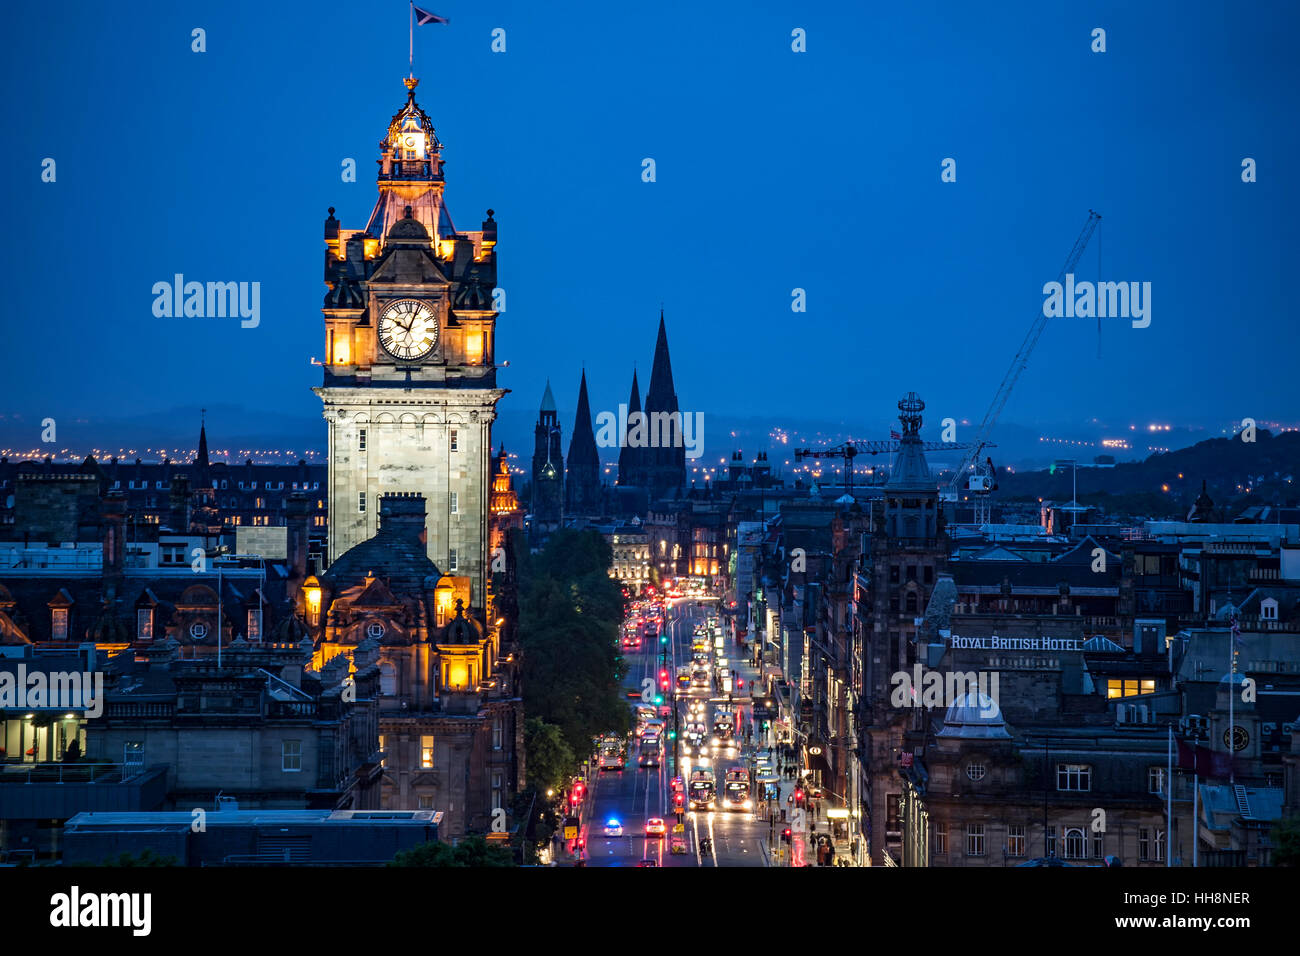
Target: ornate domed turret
462	630
411	141
410	174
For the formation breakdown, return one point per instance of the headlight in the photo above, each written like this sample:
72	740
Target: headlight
749	804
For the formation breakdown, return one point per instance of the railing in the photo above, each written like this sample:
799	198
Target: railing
1097	623
140	709
64	772
291	708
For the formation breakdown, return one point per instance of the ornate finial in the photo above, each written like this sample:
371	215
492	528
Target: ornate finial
411	83
910	408
331	210
408	213
491	213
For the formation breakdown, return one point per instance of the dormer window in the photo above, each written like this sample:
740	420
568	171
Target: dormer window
254	624
59	623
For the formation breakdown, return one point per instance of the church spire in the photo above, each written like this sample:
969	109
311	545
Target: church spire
582	480
629	458
546	412
666	466
202	459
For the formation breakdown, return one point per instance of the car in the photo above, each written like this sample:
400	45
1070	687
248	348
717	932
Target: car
655	827
648	862
677	845
613	827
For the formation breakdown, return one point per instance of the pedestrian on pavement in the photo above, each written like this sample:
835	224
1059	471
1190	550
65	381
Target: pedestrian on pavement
830	854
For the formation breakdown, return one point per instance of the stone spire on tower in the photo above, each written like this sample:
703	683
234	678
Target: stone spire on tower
582	479
630	468
666	466
548	467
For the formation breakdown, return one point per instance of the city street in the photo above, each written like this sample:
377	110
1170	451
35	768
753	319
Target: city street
634	795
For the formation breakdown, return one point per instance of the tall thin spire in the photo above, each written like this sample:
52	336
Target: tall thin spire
666	466
202	459
630	466
582	478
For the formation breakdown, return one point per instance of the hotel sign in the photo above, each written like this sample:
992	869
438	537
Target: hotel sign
996	643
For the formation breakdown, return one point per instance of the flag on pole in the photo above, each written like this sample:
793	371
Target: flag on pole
424	16
1236	631
895	435
1207	762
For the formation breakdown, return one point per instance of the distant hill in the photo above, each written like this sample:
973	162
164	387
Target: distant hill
1237	474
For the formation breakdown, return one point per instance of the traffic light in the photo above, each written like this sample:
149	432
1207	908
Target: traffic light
785	835
798	797
672	735
663	638
659	700
663	679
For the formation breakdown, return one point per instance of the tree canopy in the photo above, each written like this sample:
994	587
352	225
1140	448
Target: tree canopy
474	851
570	612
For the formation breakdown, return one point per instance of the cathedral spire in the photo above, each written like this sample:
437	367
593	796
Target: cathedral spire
582	480
666	466
629	458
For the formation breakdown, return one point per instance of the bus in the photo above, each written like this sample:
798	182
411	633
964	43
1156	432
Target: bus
650	751
735	790
702	790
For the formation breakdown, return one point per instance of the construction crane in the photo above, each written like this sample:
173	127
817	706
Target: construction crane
850	450
982	481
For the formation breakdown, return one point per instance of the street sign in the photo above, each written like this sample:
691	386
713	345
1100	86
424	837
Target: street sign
570	833
679	828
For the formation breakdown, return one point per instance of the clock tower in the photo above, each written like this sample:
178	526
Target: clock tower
409	389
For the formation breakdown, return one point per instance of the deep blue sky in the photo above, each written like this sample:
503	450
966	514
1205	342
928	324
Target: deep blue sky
776	170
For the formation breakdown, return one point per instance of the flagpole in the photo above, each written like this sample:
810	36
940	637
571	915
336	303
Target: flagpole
411	35
1196	808
1169	797
1232	697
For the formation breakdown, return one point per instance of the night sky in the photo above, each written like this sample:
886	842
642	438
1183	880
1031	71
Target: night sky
775	170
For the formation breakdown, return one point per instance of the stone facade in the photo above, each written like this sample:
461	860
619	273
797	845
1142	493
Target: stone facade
409	388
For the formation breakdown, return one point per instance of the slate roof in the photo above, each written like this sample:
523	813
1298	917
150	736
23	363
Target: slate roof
394	554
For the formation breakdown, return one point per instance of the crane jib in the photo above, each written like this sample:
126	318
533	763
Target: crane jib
1021	360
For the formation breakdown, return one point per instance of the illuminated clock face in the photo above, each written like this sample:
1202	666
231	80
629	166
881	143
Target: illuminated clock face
1237	738
408	329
